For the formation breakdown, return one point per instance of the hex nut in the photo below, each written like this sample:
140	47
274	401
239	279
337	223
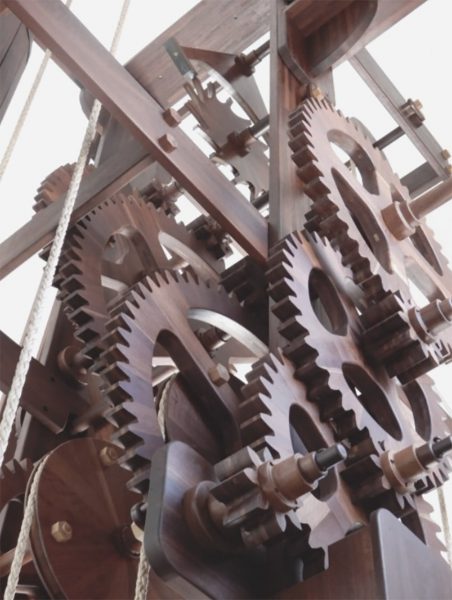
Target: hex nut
61	531
218	374
167	142
108	456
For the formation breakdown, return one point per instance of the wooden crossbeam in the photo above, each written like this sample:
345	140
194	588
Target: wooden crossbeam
45	395
83	57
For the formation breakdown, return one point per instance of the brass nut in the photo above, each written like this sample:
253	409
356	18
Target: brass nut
108	456
316	92
167	142
218	374
449	169
418	105
445	154
61	532
172	117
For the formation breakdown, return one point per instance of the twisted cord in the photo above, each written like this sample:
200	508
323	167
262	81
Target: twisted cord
24	534
25	109
31	341
141	586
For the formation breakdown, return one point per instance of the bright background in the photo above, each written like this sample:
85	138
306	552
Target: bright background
415	54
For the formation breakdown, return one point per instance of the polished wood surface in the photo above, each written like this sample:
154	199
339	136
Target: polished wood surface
45	395
99	185
228	27
15	44
85	58
382	561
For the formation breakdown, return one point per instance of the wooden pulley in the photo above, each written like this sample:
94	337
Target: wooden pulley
82	519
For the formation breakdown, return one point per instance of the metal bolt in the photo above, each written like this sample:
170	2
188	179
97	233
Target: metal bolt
445	154
168	142
418	105
218	374
172	117
108	456
61	531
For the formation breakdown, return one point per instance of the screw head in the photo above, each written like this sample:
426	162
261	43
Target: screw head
167	142
61	531
445	154
218	374
108	456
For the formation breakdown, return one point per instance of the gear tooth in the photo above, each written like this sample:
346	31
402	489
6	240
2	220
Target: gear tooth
116	372
300	353
253	405
255	385
118	395
292	329
304	156
317	188
256	427
309	172
279	271
286	308
280	290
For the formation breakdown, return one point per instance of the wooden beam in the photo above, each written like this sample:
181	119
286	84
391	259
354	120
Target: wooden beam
232	29
84	57
45	396
383	88
287	201
99	185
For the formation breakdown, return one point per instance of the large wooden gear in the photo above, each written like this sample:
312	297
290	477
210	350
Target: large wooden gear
240	398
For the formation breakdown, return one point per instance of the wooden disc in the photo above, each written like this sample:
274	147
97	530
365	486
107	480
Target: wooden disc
77	488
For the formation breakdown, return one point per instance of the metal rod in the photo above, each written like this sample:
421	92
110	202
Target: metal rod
260	127
255	56
389	138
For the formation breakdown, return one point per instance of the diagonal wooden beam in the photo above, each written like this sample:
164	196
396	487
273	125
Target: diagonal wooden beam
106	180
81	55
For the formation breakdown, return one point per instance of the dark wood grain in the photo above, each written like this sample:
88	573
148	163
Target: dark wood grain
99	185
78	488
15	44
45	396
383	560
322	35
383	88
85	58
225	26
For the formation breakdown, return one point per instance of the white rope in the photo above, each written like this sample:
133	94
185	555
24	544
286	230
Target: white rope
31	335
141	586
25	109
446	524
24	534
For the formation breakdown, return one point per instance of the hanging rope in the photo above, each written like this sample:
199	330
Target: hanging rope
25	109
141	586
446	524
24	534
31	334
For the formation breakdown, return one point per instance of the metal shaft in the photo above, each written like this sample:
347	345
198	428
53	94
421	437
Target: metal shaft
433	199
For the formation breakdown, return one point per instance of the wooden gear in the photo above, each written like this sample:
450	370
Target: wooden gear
244	397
